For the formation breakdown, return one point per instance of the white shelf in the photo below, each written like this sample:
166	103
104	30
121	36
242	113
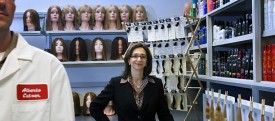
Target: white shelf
224	7
88	84
266	86
30	33
108	63
267	33
203	46
243	38
91	32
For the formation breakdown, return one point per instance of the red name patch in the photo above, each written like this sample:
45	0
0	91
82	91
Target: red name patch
32	92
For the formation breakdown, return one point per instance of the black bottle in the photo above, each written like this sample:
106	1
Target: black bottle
250	23
251	65
240	27
237	28
214	63
247	24
243	27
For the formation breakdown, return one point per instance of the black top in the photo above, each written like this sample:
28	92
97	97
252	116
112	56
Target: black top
154	102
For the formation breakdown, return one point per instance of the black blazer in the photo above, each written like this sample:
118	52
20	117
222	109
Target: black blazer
154	102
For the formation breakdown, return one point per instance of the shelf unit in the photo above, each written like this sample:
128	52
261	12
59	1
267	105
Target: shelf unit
254	39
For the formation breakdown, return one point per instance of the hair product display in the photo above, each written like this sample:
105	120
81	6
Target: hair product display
239	111
218	112
250	118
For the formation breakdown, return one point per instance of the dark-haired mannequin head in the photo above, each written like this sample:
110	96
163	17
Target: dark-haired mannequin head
98	49
78	50
86	19
54	19
70	18
99	17
112	20
59	49
88	98
119	46
76	99
139	13
31	20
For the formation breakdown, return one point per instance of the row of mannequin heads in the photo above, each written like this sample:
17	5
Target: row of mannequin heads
88	98
85	18
78	49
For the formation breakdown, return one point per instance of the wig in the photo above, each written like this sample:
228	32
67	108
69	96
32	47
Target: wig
93	53
115	47
35	20
77	110
130	10
107	18
103	10
134	19
85	107
82	50
65	10
48	19
82	9
64	53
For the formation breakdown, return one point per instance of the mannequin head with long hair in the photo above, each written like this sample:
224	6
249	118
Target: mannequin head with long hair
139	13
54	18
31	20
112	20
59	49
98	49
126	13
70	17
78	50
88	98
99	17
85	17
119	46
76	99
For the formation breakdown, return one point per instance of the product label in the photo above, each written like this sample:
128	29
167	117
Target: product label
32	92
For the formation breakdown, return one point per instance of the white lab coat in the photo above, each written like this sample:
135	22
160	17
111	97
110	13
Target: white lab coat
29	65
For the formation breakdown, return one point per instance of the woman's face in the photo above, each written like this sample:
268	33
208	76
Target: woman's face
59	47
124	14
138	59
112	13
28	19
139	14
54	14
69	16
85	15
99	14
88	101
120	47
77	47
98	46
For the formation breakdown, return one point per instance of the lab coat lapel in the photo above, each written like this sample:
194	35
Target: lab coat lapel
19	53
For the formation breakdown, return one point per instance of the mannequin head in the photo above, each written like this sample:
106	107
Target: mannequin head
70	17
31	20
88	98
78	50
98	49
54	21
126	13
139	13
59	49
99	17
77	111
86	19
186	8
112	20
119	46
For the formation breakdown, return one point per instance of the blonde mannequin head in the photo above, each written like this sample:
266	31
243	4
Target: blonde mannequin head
139	13
99	17
70	14
85	15
113	16
54	15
